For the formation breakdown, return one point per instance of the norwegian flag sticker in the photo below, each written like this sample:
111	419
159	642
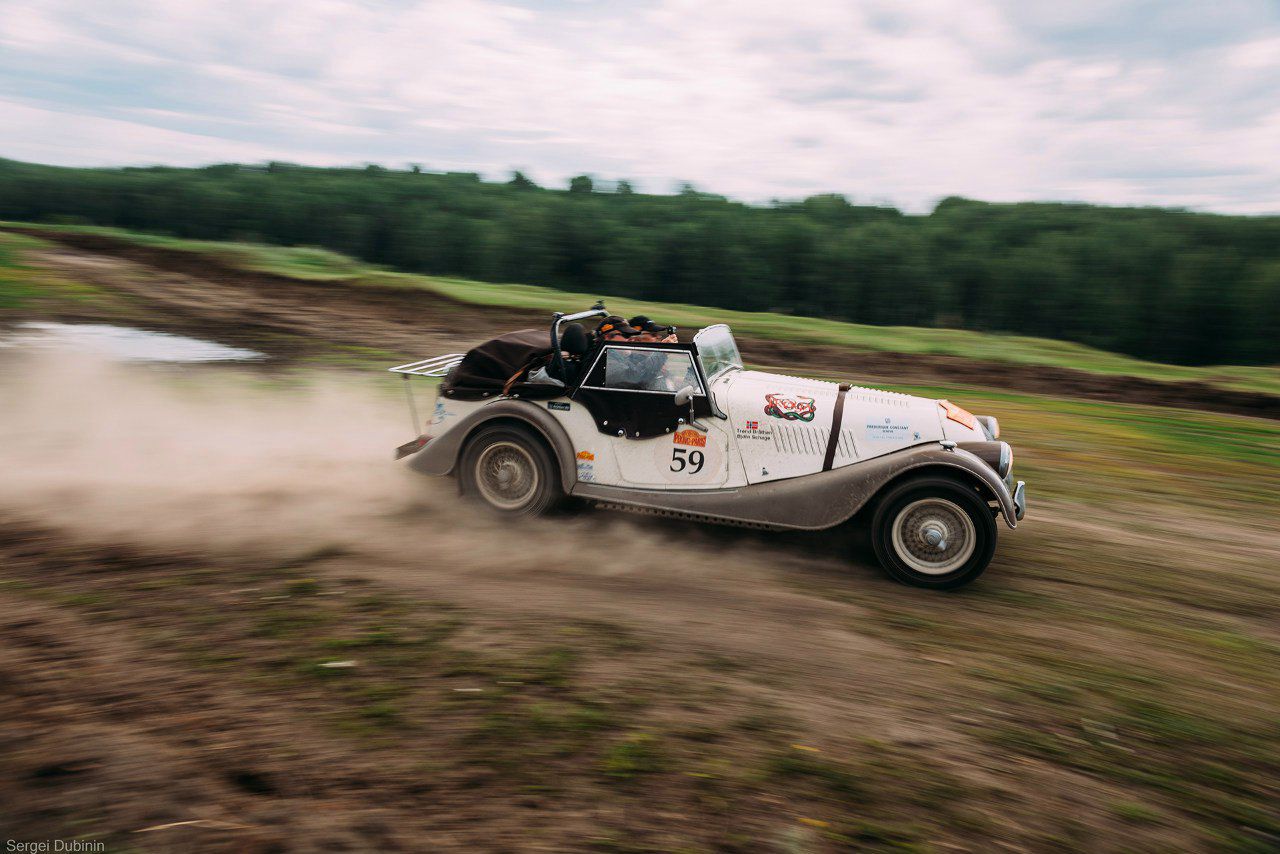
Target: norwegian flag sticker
753	425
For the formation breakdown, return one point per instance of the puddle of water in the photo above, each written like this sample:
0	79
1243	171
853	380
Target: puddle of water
124	344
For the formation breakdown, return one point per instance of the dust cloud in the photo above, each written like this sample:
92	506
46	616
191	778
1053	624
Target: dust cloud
215	458
237	461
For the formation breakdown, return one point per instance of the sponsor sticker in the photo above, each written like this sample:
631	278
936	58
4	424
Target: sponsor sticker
558	404
440	413
959	415
586	462
887	430
690	437
799	408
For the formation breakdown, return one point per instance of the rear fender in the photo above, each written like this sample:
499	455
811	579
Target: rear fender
441	455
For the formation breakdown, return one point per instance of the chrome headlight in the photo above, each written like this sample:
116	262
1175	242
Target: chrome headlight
1006	460
998	455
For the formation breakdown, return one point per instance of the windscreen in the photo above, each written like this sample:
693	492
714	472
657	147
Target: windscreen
717	350
644	369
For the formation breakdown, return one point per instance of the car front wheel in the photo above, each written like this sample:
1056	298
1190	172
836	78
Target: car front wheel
511	471
933	532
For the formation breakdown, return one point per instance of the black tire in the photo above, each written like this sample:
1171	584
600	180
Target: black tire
933	531
511	471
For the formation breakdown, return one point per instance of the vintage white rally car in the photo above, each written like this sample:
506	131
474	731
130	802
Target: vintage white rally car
683	429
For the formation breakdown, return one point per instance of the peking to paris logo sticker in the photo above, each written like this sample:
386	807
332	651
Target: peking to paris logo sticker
799	408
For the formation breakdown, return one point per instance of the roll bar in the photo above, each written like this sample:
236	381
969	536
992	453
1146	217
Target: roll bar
597	310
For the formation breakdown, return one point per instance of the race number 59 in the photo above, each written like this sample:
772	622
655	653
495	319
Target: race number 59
686	460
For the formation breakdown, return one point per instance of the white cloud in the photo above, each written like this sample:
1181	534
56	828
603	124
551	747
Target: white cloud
49	136
1115	101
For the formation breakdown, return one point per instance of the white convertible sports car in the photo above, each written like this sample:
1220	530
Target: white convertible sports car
530	418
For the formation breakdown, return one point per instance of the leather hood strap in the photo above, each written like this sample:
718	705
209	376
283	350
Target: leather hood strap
837	416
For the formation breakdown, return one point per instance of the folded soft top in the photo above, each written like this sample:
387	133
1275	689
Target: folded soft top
487	368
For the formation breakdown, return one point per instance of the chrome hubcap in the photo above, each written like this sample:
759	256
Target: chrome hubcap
933	536
506	475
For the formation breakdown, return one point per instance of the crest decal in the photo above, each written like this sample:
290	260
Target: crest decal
799	408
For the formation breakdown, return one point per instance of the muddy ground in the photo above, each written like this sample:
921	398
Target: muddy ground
230	623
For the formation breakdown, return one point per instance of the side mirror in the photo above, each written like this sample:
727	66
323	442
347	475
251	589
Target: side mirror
684	397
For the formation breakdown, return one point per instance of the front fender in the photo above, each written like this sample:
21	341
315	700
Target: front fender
962	459
441	454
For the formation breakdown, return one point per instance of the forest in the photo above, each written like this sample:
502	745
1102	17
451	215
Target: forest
1161	284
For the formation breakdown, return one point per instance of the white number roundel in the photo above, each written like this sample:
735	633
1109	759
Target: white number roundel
688	457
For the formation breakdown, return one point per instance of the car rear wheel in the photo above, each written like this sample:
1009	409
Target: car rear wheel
511	471
933	532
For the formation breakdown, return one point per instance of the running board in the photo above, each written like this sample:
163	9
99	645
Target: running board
683	515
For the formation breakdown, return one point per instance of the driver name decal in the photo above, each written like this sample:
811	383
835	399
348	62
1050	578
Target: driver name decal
799	408
753	432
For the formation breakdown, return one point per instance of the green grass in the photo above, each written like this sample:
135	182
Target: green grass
899	339
22	284
638	753
299	262
15	289
322	265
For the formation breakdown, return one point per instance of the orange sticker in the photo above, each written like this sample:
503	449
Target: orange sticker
958	415
690	437
586	455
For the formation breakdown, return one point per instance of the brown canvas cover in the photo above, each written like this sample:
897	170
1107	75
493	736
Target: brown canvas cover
487	368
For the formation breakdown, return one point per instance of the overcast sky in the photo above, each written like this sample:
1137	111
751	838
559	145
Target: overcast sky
1151	102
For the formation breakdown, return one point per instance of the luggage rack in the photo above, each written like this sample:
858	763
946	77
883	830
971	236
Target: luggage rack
436	367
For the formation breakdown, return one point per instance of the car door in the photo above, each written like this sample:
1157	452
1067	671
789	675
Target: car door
630	390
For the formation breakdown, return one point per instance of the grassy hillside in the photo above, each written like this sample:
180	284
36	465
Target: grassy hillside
1162	285
322	265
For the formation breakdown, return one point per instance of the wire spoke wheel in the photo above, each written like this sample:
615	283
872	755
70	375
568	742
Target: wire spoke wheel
510	470
933	536
507	475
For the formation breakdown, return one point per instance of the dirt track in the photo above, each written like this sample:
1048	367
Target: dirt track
132	506
280	314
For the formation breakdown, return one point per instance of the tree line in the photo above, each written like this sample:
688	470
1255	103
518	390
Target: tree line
1161	284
